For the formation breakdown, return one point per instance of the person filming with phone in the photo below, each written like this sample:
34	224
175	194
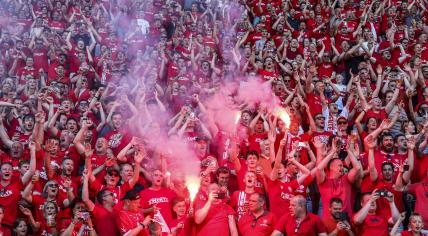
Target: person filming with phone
213	216
368	219
337	224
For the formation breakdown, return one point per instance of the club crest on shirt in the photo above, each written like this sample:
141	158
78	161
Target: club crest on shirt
115	140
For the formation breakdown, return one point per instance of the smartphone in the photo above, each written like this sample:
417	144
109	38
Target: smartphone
382	192
406	167
221	195
85	216
343	216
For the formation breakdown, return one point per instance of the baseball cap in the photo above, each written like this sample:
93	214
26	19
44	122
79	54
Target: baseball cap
132	194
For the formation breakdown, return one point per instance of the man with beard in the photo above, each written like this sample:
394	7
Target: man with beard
299	221
258	221
337	224
158	200
386	151
10	192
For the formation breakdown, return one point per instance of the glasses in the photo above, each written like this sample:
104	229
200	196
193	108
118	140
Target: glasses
53	185
320	118
113	175
341	123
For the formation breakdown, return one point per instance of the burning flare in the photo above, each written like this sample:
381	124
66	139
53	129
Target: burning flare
283	115
192	183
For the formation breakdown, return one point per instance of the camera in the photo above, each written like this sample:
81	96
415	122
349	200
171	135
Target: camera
382	192
221	195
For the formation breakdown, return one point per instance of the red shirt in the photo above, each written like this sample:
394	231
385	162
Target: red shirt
311	225
9	197
380	157
216	222
104	221
420	190
331	224
118	191
162	198
373	225
117	140
280	194
249	225
239	202
258	187
340	188
314	102
128	220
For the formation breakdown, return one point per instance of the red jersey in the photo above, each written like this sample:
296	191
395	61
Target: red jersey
280	194
9	197
311	225
217	220
104	221
373	225
162	199
340	188
263	225
128	220
239	201
420	190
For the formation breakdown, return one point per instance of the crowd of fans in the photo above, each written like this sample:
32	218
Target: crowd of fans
112	111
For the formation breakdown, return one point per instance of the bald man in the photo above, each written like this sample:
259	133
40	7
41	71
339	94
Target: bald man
299	221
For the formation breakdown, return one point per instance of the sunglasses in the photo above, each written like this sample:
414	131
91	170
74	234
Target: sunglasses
113	175
341	123
53	185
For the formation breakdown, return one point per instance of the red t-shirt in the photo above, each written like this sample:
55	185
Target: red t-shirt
280	194
373	225
419	190
118	191
217	220
314	102
104	221
258	187
340	188
239	202
127	220
163	200
311	225
9	197
263	225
